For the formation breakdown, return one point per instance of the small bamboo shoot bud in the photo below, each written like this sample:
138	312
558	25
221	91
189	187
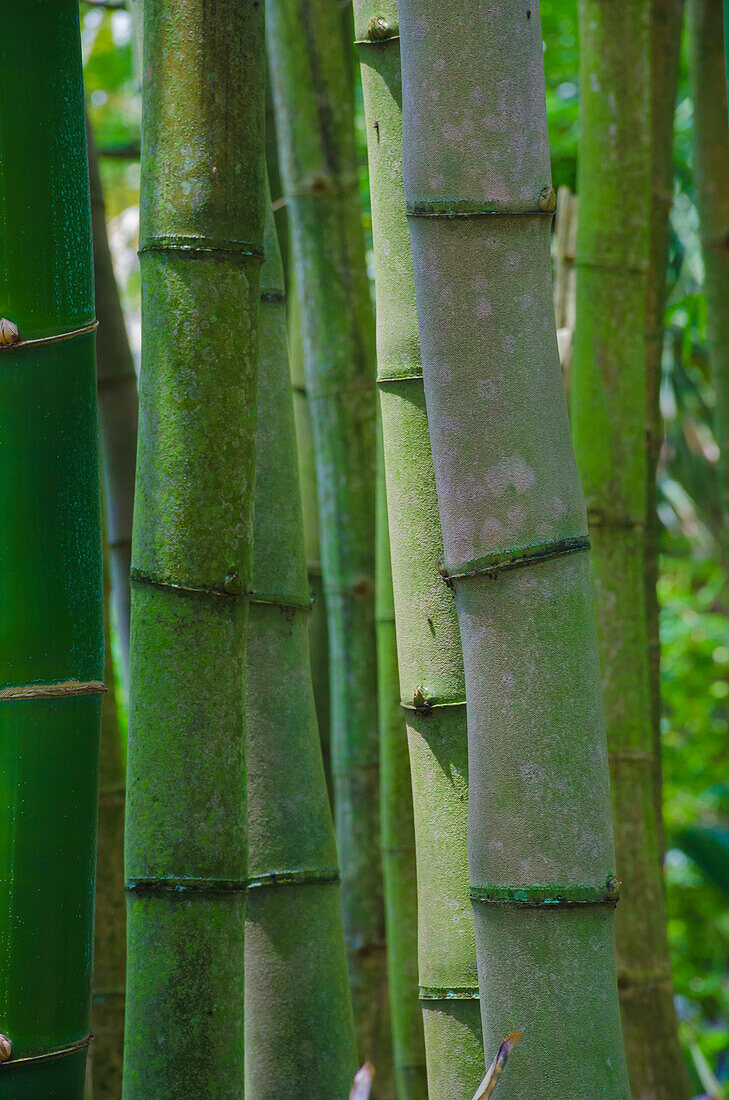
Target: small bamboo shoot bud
8	332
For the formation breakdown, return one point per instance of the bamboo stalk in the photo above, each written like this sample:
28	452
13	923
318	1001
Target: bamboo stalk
609	418
104	1070
711	153
118	413
479	199
51	605
430	659
299	1025
202	216
315	117
666	23
397	830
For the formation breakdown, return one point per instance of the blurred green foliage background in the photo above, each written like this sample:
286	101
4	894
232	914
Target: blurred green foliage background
694	592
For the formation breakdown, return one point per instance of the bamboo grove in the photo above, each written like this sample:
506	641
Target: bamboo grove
331	698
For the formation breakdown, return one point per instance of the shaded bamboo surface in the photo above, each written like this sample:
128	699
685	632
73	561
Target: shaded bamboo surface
541	854
51	600
104	1072
313	98
711	159
118	414
430	661
201	244
299	1024
609	423
397	830
666	23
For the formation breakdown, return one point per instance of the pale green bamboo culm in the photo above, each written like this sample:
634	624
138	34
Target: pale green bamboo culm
711	159
313	98
397	830
609	397
542	866
51	600
299	1033
201	244
432	686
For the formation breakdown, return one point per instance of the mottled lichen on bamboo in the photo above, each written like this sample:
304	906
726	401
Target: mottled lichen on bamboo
430	661
52	656
202	217
539	810
313	97
613	383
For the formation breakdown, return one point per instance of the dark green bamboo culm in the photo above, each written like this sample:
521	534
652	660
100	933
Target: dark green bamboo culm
609	394
104	1070
479	199
666	23
711	159
397	831
201	244
299	1025
118	413
313	97
430	661
51	602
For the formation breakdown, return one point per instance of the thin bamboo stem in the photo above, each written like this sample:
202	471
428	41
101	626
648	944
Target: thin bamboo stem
313	98
429	647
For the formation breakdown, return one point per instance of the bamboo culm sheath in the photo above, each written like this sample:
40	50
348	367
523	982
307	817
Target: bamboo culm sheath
711	157
541	859
313	98
608	417
429	648
51	602
201	244
299	1035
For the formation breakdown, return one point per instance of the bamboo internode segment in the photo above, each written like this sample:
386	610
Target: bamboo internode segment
432	686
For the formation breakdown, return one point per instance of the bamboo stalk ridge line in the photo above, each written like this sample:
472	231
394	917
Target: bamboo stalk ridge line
52	656
314	105
610	402
539	806
430	663
299	1029
186	836
63	689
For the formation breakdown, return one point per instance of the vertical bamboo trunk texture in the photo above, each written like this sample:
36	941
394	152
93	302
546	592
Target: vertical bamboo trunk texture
318	628
51	603
711	160
479	199
609	425
430	662
397	830
299	1025
107	1015
315	117
202	218
118	412
666	22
